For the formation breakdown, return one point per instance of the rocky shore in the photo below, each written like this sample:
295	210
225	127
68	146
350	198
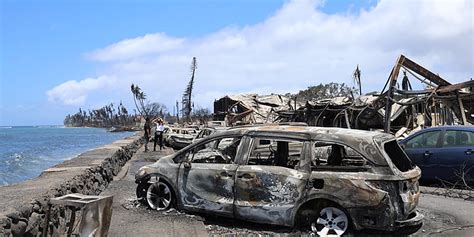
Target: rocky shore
23	206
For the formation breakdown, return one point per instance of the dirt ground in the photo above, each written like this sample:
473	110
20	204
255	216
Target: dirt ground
443	216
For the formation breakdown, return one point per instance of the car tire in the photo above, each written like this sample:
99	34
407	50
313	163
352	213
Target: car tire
331	221
159	196
408	230
142	187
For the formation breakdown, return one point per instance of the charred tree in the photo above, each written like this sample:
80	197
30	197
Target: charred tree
177	111
356	76
187	95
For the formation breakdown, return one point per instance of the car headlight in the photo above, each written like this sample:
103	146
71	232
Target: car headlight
141	173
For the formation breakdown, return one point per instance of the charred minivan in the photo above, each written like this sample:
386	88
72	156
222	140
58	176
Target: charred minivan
325	179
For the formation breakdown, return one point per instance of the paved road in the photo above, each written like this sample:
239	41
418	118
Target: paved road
443	216
130	218
446	216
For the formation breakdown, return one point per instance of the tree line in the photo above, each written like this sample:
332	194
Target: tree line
325	91
105	117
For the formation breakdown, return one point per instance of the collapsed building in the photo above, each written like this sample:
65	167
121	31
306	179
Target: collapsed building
395	110
252	108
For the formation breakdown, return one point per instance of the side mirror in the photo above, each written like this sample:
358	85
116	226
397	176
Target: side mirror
187	164
403	146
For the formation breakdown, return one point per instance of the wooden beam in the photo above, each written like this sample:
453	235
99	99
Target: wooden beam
455	87
420	70
391	88
461	106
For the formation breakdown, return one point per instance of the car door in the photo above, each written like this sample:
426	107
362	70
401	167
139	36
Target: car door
271	181
456	156
423	149
206	177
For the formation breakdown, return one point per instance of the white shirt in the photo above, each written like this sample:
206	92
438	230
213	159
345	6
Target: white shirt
160	127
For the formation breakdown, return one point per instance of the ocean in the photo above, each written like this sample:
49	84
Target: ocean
28	150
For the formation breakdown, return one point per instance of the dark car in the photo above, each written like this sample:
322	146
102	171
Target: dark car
327	179
442	153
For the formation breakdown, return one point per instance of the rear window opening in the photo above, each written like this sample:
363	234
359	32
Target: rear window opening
336	157
398	156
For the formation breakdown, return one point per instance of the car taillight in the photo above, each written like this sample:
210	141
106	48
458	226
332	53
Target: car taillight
409	186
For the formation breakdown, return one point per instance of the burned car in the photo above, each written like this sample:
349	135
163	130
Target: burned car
178	138
326	179
207	131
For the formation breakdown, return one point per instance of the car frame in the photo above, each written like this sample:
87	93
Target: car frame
207	131
178	138
381	193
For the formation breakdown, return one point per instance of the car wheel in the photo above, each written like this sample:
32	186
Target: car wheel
159	196
331	221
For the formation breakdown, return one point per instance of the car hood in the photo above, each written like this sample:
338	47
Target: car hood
157	167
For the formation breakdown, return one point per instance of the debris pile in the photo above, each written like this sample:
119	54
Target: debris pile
395	110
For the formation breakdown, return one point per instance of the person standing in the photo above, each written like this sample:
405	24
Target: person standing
147	129
156	123
160	128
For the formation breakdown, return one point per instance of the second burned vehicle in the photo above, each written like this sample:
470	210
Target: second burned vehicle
326	179
178	138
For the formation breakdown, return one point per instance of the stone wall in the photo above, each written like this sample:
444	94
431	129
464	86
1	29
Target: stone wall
89	174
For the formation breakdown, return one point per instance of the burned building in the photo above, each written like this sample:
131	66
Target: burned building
397	109
251	108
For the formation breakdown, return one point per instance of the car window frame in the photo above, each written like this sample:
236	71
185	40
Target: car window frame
179	156
456	130
368	165
438	142
251	141
200	134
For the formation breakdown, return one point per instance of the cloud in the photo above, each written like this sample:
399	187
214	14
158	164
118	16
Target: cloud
136	47
75	92
298	46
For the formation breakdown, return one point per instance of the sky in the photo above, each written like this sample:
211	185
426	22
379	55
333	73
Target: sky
59	56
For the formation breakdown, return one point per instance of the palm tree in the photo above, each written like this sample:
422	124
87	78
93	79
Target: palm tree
139	95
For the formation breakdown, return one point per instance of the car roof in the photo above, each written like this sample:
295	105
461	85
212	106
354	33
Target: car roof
436	128
362	141
305	131
451	127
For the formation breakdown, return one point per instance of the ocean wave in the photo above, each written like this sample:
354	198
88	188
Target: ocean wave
15	160
49	126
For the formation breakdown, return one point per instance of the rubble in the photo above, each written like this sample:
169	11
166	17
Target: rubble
394	110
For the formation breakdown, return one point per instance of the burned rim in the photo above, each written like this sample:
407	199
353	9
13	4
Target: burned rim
159	196
331	222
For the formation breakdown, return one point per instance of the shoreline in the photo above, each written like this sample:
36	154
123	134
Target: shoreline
111	128
23	205
27	151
